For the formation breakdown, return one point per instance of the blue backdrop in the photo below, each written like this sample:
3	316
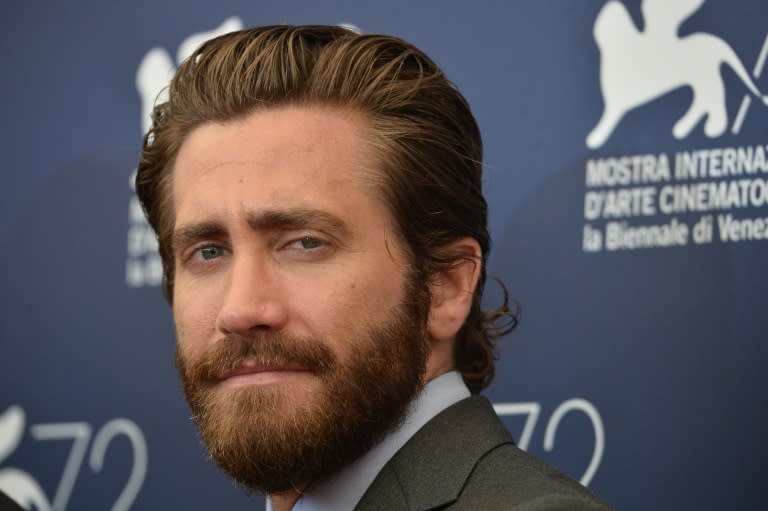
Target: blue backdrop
627	179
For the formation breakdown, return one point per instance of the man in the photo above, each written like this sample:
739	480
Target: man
317	200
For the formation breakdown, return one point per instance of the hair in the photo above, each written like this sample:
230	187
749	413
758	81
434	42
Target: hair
422	133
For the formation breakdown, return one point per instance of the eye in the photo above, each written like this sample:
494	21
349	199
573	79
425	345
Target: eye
208	253
308	248
309	243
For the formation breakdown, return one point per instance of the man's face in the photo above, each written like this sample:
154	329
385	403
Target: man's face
300	338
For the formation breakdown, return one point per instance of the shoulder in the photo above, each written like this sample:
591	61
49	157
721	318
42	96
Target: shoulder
508	478
465	459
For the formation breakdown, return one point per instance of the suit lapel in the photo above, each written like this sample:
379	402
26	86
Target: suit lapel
430	470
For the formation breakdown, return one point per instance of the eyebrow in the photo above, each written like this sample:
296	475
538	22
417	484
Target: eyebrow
296	218
188	234
269	220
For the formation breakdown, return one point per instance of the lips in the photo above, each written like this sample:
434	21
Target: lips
250	367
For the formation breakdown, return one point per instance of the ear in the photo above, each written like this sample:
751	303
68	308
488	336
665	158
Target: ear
452	292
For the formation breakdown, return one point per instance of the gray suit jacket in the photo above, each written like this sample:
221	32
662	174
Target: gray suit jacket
465	459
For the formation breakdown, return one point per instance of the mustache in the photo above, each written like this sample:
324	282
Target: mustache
269	349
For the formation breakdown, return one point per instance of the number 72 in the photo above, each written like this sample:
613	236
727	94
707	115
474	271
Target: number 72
533	411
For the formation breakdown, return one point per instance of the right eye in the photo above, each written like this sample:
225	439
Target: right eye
210	252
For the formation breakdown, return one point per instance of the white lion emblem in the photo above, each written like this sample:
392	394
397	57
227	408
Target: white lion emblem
18	484
638	66
157	67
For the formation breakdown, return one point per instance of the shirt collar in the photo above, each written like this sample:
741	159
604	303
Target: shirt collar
345	489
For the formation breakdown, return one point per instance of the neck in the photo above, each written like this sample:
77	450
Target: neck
284	501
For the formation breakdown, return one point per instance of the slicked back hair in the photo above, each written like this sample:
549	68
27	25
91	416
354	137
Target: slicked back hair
426	144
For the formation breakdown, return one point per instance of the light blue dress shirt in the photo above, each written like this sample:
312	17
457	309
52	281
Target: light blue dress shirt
343	491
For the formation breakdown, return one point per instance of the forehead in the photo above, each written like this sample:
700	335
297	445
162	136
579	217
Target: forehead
280	137
291	156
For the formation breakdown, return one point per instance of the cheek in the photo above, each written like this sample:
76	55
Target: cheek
195	321
356	303
382	288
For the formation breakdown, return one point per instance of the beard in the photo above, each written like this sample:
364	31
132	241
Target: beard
270	440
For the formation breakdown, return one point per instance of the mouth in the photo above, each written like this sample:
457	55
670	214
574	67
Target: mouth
250	373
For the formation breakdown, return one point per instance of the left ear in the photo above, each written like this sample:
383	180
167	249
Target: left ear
452	290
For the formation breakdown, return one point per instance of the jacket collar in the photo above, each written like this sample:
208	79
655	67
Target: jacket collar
431	469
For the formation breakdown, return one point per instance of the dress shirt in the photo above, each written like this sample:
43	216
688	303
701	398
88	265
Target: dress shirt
344	490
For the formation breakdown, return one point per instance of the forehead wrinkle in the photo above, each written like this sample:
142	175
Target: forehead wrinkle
205	167
278	150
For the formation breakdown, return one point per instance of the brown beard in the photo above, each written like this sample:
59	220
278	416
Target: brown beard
269	443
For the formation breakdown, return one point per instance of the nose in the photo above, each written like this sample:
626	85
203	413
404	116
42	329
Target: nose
253	299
